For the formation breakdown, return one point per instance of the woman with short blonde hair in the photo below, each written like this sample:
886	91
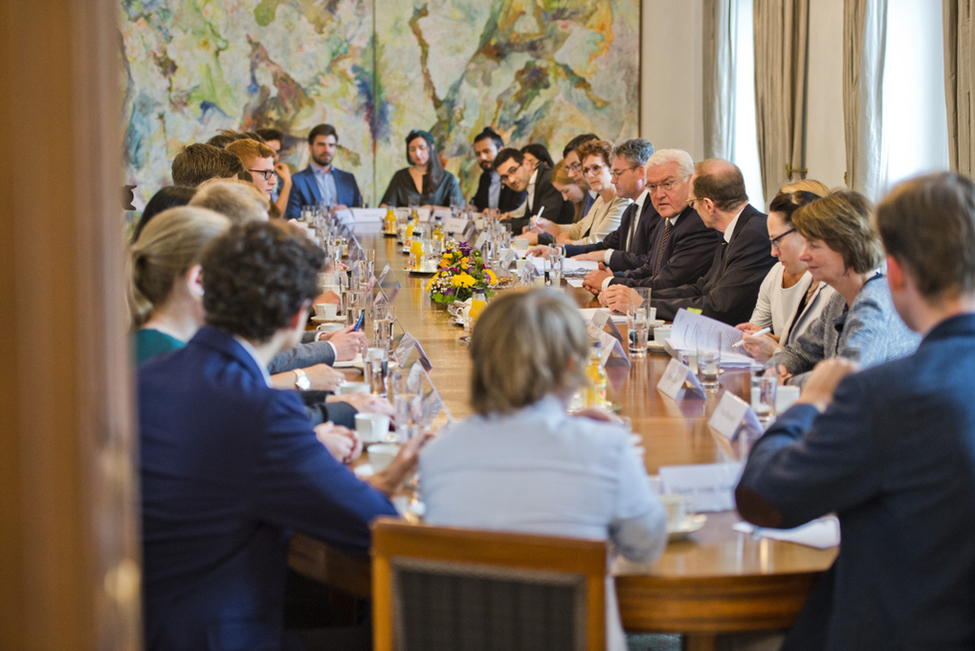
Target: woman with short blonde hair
522	463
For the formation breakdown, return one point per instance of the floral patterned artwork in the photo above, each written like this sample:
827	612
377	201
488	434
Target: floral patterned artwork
536	70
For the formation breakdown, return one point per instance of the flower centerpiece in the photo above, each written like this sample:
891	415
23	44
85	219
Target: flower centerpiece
460	272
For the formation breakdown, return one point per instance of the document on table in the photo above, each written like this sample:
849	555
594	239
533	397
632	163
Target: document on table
689	328
572	267
821	533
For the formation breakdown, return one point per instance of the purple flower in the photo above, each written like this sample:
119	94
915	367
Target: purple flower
448	292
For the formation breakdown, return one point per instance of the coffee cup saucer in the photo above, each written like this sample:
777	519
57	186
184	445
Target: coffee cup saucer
687	526
324	319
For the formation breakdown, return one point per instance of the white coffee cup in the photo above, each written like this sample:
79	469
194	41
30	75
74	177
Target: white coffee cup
677	507
785	397
372	428
335	289
381	454
348	388
331	327
326	310
661	333
519	245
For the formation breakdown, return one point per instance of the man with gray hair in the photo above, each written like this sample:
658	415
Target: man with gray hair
681	248
627	246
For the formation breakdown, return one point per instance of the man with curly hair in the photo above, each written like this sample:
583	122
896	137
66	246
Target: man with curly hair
229	465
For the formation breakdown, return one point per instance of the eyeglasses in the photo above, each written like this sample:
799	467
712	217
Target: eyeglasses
690	202
616	173
667	186
575	167
267	174
592	171
507	175
775	240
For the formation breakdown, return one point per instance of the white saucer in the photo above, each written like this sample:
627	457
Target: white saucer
683	529
321	319
654	347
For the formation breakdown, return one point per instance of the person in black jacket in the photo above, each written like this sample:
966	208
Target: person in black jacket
519	175
729	291
491	192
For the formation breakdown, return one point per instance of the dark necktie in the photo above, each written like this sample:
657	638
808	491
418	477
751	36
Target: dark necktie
631	212
663	245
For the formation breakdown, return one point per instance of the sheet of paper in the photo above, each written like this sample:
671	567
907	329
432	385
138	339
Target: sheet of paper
574	282
689	327
821	533
571	266
709	487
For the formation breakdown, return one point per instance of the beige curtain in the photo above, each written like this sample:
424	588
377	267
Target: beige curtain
720	22
959	32
864	39
781	47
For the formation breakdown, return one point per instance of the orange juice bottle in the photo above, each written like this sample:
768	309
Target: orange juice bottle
478	303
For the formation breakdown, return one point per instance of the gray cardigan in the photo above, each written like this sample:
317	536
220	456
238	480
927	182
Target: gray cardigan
870	332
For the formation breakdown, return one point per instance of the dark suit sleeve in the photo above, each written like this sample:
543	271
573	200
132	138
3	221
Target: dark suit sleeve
806	466
293	210
551	198
690	260
625	260
579	249
301	486
356	195
480	199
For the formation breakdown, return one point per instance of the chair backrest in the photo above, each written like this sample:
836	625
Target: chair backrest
438	588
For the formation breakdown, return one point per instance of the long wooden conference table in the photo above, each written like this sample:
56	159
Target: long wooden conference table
716	581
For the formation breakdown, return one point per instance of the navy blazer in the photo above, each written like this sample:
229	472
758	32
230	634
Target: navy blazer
508	199
688	254
624	257
729	290
305	192
894	458
228	467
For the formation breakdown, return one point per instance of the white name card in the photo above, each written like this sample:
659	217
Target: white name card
602	319
442	213
611	354
733	413
673	380
481	240
406	347
709	487
454	225
368	214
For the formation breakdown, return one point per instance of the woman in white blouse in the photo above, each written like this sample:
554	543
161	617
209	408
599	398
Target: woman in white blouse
604	215
521	463
789	300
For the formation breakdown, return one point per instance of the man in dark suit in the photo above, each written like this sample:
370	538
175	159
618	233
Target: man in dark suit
320	181
890	450
681	247
626	247
729	290
491	192
519	175
229	465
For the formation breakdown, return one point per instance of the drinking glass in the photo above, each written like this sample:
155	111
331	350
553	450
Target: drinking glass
709	359
556	261
638	321
407	404
763	388
376	368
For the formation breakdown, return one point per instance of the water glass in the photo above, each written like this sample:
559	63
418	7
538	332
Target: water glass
638	319
763	391
709	359
556	260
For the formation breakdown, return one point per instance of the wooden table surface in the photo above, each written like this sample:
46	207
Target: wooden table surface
717	580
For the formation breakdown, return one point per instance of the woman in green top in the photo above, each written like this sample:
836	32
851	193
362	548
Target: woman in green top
165	290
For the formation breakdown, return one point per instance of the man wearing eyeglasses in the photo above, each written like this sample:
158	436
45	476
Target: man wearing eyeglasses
258	160
519	175
729	290
322	182
681	248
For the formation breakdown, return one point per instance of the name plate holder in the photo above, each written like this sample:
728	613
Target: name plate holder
407	345
603	319
732	415
612	354
676	378
709	486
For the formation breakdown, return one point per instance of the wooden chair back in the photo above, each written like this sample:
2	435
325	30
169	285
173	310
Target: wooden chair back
438	588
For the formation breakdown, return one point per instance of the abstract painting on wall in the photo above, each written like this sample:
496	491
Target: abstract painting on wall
536	70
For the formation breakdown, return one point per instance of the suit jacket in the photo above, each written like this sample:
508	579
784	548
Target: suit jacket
729	290
894	458
228	467
624	257
688	254
556	210
305	192
508	199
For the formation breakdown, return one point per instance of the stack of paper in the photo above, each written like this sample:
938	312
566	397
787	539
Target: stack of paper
689	328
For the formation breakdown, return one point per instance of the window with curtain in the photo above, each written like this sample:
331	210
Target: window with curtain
746	134
914	126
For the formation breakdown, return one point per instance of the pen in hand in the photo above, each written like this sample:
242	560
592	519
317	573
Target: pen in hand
759	333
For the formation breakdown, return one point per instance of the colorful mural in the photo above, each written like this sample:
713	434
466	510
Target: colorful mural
536	70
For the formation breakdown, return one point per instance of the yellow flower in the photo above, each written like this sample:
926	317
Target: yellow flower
430	284
463	280
465	260
491	277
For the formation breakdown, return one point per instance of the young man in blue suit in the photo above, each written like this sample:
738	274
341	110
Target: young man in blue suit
321	181
230	466
890	450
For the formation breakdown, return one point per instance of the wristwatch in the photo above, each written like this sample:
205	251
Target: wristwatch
302	383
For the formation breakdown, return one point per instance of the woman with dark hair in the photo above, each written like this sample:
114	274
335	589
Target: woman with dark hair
537	153
789	300
172	196
425	181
